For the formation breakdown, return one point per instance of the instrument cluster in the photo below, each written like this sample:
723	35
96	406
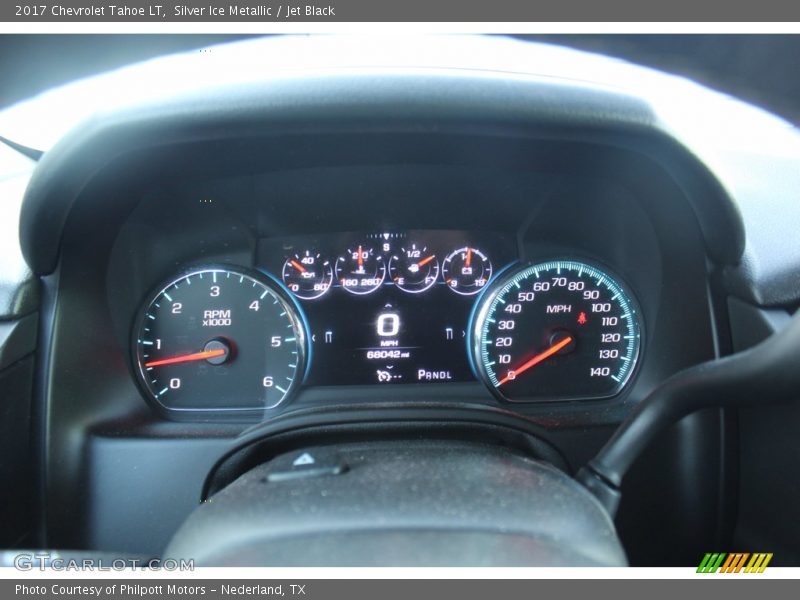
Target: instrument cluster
386	308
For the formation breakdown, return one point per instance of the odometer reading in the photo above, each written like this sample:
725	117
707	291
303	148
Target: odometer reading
220	340
556	330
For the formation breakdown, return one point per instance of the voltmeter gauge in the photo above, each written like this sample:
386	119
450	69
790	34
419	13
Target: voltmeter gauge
308	275
467	271
360	270
220	340
556	330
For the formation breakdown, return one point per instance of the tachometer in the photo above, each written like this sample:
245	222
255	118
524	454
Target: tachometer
556	330
220	340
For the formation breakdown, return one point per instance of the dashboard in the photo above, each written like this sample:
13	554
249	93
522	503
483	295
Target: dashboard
231	301
384	308
532	305
499	259
473	297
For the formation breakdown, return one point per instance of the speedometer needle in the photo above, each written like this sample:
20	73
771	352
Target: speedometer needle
187	358
536	360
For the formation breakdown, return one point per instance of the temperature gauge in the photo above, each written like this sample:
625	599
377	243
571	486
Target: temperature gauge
466	271
361	271
308	275
414	269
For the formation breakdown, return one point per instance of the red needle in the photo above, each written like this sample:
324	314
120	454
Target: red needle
536	360
186	358
469	256
298	266
360	258
425	261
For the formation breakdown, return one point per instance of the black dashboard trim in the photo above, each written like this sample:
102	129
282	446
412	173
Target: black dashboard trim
336	424
367	103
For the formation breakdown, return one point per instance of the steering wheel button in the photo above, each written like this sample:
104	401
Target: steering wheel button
305	463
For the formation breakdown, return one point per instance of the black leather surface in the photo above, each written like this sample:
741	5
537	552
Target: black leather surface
17	339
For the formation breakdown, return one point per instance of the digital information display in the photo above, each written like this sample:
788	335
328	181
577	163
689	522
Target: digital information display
388	307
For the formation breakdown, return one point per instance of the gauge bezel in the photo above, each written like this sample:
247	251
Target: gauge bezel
483	303
396	258
476	292
383	269
301	296
293	309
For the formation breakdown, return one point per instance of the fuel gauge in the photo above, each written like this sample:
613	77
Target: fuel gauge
414	269
466	271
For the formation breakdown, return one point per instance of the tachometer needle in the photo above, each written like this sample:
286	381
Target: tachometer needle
469	256
297	266
425	261
187	358
536	360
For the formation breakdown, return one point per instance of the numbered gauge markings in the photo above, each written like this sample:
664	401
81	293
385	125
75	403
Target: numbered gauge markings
222	340
308	275
556	330
361	270
414	269
466	271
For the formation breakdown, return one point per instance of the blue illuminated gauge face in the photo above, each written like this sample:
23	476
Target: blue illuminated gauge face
220	340
556	330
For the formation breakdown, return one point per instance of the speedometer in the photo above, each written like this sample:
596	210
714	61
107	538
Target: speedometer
556	330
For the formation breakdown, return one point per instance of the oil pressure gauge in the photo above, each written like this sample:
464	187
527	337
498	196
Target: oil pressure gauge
308	275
